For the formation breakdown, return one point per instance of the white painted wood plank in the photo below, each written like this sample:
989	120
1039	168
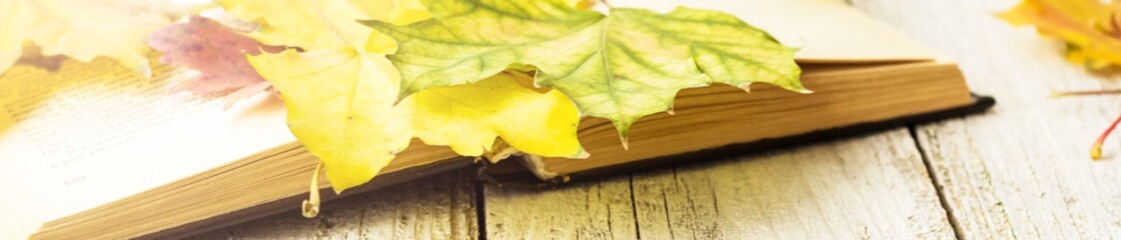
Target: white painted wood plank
1022	170
873	186
593	210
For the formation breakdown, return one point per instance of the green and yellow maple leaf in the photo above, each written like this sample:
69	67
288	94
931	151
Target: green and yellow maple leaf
621	66
341	92
79	29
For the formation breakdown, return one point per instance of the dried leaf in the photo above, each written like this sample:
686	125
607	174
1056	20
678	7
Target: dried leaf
1089	28
214	50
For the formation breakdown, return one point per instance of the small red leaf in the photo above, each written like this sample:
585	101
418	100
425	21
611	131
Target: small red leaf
217	52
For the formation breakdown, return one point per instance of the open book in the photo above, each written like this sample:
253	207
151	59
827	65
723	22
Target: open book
94	150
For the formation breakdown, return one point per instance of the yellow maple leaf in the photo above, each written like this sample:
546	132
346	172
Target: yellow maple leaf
469	118
341	90
1089	27
80	29
340	107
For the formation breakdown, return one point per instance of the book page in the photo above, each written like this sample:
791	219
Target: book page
92	133
826	31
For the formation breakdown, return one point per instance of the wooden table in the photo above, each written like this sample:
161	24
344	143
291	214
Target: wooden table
1019	171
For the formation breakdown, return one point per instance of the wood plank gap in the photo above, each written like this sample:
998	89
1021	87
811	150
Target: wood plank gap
480	208
942	200
634	206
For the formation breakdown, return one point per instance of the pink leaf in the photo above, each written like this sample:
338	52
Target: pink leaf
217	52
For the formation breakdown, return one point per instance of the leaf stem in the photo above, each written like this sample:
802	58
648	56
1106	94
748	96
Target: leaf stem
1096	150
1082	93
310	207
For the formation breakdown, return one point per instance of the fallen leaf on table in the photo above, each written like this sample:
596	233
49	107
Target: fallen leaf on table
79	29
1090	28
621	66
214	50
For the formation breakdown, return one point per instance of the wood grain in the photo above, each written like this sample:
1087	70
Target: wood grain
872	186
438	207
1023	170
593	210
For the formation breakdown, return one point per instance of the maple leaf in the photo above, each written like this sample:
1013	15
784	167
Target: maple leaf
217	52
621	66
79	29
469	118
340	107
1090	28
341	93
